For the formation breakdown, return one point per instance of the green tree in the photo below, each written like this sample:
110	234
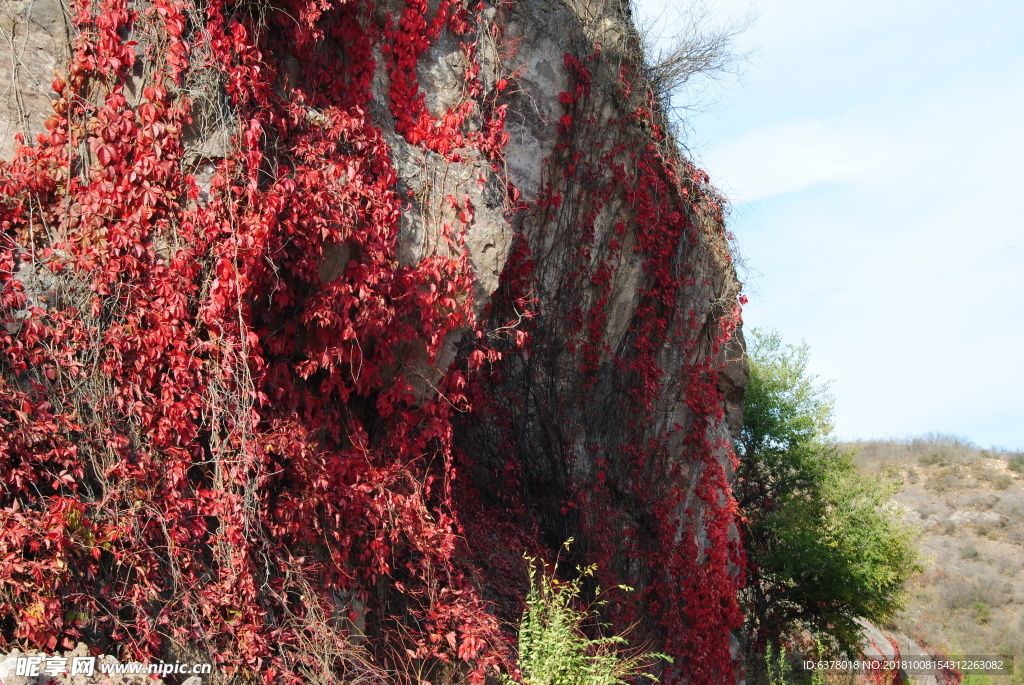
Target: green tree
824	545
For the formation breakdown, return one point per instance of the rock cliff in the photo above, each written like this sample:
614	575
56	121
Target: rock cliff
318	314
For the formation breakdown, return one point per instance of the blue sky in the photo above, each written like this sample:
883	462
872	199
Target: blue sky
874	155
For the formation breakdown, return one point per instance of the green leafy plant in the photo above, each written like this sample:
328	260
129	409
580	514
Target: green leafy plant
825	546
777	667
554	648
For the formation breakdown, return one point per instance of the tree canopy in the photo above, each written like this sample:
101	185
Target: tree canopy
824	544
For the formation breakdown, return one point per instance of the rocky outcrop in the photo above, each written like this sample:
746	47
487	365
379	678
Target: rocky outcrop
33	44
608	424
907	660
349	306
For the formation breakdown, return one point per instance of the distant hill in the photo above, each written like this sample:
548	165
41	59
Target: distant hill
969	506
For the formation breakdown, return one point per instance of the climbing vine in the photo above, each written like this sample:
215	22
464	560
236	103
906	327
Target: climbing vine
207	445
215	439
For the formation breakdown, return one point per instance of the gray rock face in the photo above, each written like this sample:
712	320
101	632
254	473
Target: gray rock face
33	43
895	647
427	179
596	441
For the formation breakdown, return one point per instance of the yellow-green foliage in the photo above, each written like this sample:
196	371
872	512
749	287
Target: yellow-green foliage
553	648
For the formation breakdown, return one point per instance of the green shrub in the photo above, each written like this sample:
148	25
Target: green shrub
777	666
553	647
933	459
945	479
981	612
1002	482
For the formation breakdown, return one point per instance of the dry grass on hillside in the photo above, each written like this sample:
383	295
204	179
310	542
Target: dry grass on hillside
968	504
